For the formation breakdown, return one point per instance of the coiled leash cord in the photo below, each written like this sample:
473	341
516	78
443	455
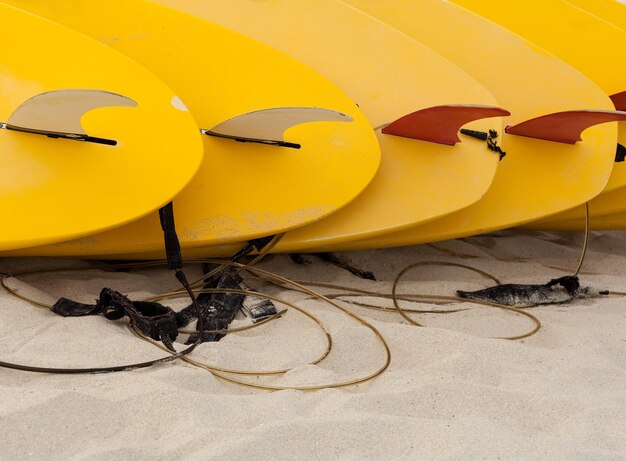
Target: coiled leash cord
175	262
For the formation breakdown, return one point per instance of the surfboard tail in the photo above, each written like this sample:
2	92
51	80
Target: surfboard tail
565	127
441	124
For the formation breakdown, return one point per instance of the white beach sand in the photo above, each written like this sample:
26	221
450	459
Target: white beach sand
449	393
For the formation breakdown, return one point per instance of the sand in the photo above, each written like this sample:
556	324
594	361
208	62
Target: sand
450	392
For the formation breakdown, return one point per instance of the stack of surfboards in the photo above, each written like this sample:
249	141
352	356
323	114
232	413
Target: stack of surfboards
342	124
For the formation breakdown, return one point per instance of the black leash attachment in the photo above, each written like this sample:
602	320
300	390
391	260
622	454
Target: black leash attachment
155	320
214	311
219	308
252	245
620	153
490	137
174	257
172	245
152	319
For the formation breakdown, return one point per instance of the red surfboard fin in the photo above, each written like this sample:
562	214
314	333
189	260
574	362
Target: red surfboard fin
565	127
619	100
440	124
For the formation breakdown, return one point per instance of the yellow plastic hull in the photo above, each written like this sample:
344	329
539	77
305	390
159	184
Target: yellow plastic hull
536	178
614	221
389	75
610	201
57	189
612	11
241	191
588	43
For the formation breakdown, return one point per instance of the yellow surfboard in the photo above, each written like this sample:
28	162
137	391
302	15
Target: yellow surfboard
610	201
236	88
614	221
586	42
537	177
606	203
390	76
606	208
89	139
612	11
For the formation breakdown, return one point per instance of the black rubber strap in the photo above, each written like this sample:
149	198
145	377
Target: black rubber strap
482	135
256	244
172	245
620	153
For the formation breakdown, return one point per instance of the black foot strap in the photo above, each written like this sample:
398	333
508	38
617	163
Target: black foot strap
155	320
152	319
219	309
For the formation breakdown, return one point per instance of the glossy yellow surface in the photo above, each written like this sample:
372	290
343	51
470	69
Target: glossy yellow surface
613	200
590	44
605	204
55	189
536	178
612	11
613	221
389	75
242	190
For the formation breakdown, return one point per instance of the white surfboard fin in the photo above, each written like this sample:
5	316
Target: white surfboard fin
268	126
440	124
565	127
57	114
